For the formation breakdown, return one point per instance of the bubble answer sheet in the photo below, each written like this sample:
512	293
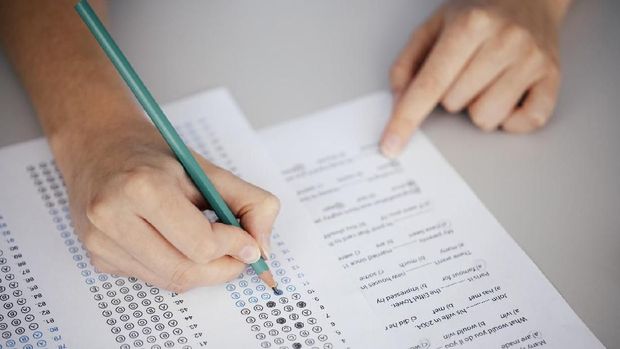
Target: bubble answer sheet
370	253
51	296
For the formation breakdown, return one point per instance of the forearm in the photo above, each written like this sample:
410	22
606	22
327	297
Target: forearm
74	89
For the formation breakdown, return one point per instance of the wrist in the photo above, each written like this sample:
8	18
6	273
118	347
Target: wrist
86	141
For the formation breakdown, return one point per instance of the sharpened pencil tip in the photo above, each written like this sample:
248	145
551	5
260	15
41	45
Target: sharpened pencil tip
277	291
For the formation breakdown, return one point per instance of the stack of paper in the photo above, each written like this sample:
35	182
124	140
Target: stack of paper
370	252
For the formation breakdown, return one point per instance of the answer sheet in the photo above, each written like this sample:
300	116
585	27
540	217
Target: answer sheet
52	297
436	268
370	253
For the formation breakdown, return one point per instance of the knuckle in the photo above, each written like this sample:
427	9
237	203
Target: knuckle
478	117
100	265
451	103
538	120
538	60
529	49
179	281
174	168
516	35
96	209
176	288
271	203
476	19
429	82
140	182
485	126
477	120
450	106
203	251
93	243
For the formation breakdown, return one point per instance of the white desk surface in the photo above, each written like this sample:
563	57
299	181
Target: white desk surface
556	191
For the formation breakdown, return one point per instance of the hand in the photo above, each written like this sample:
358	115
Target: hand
496	58
132	204
138	213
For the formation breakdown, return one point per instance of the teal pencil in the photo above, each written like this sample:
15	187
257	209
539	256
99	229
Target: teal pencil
154	111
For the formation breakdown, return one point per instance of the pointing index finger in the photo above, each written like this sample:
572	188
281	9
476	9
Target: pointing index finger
450	54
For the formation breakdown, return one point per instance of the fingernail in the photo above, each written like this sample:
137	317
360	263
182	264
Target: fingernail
391	145
249	254
265	242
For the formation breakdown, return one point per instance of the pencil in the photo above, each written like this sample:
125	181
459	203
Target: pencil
154	111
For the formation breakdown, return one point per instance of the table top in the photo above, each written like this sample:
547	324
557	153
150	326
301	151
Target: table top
555	191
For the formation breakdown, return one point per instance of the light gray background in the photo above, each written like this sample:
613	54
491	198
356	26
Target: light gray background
556	191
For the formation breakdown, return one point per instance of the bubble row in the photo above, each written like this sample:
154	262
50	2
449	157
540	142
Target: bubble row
139	315
25	319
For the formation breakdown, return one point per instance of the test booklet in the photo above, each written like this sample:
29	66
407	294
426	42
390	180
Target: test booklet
370	252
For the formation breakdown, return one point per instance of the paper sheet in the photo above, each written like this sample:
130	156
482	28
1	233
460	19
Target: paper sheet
437	269
51	297
400	254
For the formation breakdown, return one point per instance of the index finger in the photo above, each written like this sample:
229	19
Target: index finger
176	218
447	58
256	208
